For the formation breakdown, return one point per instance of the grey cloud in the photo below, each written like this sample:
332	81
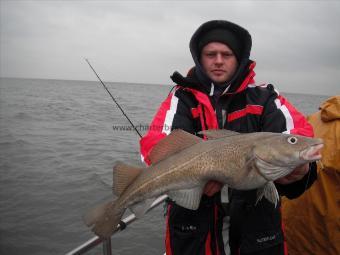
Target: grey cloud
146	41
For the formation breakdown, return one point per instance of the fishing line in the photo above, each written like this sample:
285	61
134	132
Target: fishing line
122	224
114	100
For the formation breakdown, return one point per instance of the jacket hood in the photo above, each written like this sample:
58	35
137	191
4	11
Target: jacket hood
330	109
241	34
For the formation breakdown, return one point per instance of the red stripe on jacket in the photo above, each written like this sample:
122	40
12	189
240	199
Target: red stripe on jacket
249	109
249	79
208	245
167	236
209	112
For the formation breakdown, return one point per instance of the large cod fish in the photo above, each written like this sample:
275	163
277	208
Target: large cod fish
183	163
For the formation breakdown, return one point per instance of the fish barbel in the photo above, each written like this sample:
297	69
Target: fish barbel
183	163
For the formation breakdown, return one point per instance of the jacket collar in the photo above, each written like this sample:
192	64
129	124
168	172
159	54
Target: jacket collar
238	84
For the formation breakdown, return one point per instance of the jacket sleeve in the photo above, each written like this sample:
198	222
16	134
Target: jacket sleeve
281	116
172	114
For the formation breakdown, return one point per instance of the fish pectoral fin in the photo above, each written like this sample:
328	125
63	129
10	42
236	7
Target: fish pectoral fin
176	141
187	198
268	191
140	208
123	176
217	133
271	171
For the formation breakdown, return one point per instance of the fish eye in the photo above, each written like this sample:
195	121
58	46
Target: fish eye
292	140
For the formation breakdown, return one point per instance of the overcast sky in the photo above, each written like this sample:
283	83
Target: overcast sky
296	44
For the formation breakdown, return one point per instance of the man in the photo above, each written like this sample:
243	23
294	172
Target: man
220	92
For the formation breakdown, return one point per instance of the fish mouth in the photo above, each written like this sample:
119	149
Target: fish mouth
312	153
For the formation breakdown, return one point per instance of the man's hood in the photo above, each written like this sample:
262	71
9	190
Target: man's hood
330	109
243	37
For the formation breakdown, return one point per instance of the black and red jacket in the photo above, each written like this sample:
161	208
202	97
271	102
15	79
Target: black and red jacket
243	107
251	109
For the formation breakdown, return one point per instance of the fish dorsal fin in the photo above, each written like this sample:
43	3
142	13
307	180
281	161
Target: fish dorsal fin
187	198
123	176
176	141
217	133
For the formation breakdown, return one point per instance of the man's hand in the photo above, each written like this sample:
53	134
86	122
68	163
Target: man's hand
297	174
212	187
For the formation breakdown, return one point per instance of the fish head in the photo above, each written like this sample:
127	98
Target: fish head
277	155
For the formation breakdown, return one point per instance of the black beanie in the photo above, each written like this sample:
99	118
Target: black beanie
223	36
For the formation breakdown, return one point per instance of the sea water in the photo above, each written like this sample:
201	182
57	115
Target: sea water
58	142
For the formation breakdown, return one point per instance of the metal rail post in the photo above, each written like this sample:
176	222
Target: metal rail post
107	249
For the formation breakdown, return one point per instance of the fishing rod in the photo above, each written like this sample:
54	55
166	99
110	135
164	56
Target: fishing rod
130	218
114	100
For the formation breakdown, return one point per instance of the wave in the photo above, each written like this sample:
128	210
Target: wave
15	143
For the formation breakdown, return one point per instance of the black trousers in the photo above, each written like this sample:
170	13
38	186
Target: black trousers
196	232
254	229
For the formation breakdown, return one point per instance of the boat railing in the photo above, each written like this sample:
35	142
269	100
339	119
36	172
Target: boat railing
106	243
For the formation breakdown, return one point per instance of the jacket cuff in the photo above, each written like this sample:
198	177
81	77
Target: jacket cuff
295	189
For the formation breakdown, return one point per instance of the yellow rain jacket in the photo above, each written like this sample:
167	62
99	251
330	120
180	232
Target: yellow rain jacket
312	221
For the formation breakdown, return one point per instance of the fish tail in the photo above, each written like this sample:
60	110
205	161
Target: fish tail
104	219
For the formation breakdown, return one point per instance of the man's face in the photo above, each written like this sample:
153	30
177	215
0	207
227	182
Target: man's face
219	62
